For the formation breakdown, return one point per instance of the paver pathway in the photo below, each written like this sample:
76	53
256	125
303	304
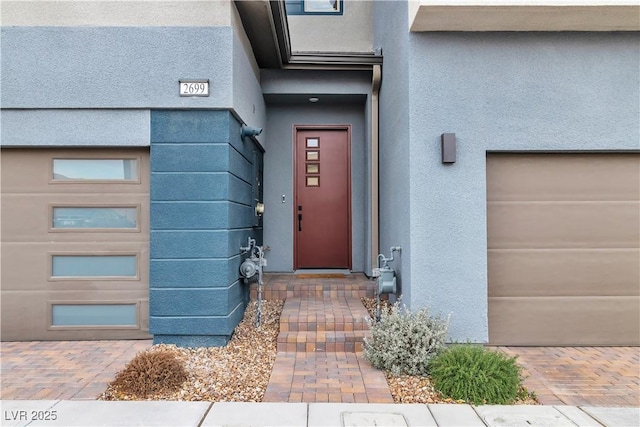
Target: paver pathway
581	376
334	377
322	330
63	369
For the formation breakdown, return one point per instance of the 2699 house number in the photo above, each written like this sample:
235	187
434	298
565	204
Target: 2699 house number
194	87
21	415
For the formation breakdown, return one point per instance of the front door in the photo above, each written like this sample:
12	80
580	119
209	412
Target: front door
323	193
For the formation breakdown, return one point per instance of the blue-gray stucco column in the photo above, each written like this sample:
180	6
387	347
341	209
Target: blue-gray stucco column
204	178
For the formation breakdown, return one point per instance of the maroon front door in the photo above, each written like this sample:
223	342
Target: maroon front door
322	200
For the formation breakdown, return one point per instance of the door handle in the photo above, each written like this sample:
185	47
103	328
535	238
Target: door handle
299	222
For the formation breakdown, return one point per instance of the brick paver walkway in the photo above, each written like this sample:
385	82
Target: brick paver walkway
326	377
322	330
581	376
325	324
62	369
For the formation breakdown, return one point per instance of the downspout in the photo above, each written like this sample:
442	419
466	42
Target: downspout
375	111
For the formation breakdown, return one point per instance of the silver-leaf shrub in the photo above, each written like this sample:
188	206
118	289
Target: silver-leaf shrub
404	342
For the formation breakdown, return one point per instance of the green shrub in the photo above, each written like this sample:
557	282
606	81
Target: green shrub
476	375
404	342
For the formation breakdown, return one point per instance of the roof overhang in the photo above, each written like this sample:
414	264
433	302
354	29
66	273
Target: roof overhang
524	15
265	23
258	21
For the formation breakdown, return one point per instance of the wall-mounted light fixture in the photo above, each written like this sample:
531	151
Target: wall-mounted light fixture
448	141
249	131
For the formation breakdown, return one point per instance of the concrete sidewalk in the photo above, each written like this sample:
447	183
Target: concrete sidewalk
172	413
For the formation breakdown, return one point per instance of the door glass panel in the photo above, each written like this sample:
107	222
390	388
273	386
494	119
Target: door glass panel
313	155
94	315
95	217
94	266
313	181
95	169
313	168
313	143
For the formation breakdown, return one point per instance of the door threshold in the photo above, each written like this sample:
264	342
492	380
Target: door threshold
322	273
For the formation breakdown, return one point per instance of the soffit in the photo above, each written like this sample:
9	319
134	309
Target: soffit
258	21
524	15
266	26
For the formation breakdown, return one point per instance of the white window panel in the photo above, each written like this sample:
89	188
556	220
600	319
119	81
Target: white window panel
95	169
94	315
94	266
94	217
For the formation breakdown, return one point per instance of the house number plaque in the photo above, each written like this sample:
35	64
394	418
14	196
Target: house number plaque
194	87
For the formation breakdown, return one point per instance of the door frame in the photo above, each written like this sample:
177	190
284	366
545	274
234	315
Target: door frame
297	128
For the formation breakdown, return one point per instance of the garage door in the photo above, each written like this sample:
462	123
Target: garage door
75	242
563	249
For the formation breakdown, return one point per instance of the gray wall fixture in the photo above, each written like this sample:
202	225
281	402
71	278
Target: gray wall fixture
448	145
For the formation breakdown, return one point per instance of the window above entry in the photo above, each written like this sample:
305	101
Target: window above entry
524	15
314	7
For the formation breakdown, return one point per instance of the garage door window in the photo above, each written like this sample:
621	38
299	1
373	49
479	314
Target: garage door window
107	266
94	217
95	170
92	315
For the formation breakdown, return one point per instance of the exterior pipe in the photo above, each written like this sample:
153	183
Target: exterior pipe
375	112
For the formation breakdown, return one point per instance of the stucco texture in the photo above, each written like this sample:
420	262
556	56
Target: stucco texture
79	127
390	23
114	67
512	92
516	92
349	32
70	13
202	211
